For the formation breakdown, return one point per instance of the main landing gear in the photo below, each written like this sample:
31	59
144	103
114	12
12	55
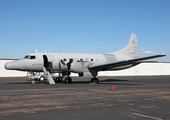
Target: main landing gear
68	80
94	80
58	79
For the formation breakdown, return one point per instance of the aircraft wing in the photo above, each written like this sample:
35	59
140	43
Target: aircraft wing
121	64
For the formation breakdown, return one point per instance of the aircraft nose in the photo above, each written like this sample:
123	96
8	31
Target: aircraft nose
14	65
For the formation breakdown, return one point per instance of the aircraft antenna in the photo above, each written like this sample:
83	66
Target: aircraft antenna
36	51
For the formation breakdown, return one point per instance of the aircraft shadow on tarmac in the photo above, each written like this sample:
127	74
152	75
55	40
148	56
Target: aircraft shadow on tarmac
110	82
118	82
106	82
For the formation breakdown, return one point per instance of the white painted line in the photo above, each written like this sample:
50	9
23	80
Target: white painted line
146	116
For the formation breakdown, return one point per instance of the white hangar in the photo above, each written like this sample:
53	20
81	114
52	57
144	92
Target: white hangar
146	68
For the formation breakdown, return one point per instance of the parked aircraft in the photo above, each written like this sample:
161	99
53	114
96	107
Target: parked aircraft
83	64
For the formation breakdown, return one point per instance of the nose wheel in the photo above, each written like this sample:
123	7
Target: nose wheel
94	80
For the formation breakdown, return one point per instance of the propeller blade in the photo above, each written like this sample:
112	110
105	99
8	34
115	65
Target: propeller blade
70	61
69	64
62	62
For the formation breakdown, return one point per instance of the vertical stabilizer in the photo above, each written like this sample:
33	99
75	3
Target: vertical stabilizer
131	49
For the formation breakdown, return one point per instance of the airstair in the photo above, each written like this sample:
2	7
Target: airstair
48	76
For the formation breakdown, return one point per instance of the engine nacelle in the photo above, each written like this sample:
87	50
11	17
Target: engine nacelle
56	75
80	66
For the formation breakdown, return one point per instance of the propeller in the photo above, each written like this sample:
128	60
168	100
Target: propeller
68	64
63	62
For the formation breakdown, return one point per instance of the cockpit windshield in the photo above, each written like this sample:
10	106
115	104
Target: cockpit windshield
29	57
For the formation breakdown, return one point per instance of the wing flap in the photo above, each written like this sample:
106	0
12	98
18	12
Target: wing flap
120	64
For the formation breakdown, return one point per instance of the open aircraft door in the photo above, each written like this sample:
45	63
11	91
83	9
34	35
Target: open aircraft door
48	61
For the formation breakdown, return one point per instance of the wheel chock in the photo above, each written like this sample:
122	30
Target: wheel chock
10	78
92	83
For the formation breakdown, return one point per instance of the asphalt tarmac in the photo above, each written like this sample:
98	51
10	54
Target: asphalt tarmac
139	98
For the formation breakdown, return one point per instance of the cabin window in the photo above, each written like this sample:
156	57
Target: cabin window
101	60
91	59
81	59
65	59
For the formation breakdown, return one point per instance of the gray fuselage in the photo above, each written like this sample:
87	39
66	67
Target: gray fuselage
35	62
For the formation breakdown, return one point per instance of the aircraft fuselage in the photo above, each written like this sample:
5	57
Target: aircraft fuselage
35	62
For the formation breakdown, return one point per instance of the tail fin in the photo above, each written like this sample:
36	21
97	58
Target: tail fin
131	49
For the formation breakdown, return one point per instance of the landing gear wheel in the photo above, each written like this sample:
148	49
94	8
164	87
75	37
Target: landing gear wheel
68	80
32	81
95	80
60	79
92	80
56	80
41	78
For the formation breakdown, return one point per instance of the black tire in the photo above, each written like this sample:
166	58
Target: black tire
68	80
92	80
56	80
95	80
60	79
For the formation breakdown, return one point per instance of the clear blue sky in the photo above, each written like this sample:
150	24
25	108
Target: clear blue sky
87	26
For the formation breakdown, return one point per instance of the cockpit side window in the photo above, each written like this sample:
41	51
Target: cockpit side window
32	57
29	57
